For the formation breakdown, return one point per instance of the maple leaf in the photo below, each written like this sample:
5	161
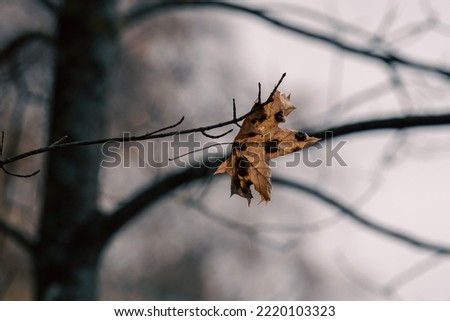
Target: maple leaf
259	140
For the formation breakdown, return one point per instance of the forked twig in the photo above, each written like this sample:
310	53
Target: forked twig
19	175
216	136
2	164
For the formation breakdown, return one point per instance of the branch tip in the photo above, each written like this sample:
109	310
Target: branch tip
19	175
270	98
235	120
161	129
259	92
216	136
59	141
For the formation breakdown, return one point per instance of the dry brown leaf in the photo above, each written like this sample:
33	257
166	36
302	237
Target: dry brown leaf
259	140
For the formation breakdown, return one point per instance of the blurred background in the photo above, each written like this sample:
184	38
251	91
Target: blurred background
197	243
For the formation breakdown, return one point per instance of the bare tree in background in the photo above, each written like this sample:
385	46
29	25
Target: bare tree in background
76	91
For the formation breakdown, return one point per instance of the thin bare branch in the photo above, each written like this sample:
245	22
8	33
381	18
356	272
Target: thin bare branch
412	30
359	278
331	20
124	139
387	20
246	229
385	124
344	209
356	99
59	141
2	166
234	108
17	236
269	99
216	136
410	273
165	128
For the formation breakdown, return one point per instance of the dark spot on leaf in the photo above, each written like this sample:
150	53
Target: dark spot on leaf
300	136
279	117
242	172
245	190
243	162
259	118
240	146
271	146
242	166
250	135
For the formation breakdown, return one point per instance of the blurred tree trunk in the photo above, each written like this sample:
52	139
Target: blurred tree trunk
86	53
